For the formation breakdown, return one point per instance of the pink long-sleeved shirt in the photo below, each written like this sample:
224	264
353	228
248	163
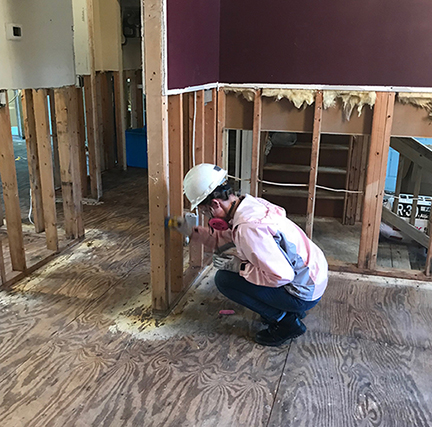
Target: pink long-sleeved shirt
277	252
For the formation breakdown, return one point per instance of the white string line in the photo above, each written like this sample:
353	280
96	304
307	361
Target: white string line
285	184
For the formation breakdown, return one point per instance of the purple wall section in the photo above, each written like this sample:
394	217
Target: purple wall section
193	42
335	42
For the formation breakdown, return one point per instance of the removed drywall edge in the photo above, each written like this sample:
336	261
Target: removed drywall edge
327	87
178	91
192	89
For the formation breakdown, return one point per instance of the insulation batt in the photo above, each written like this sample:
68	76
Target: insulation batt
350	100
422	100
301	98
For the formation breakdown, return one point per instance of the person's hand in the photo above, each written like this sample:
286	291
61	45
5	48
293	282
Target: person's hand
227	262
183	226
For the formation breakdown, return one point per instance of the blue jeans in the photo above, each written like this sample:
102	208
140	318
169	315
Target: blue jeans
271	303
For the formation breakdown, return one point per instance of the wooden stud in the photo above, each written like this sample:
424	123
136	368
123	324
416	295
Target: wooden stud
210	127
66	113
10	190
399	179
33	160
176	172
120	118
92	138
46	167
313	176
220	137
82	142
57	178
256	142
375	179
157	136
90	89
417	174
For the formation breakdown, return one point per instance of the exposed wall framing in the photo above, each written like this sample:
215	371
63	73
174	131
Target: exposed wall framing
39	142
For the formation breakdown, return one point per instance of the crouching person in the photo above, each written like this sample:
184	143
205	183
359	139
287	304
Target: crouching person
276	270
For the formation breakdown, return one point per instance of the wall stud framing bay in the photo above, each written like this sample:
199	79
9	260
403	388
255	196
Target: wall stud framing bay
43	137
92	137
399	178
375	179
256	143
153	18
210	129
139	99
120	118
196	110
33	159
221	137
10	191
82	141
67	122
417	174
176	172
92	119
57	177
313	176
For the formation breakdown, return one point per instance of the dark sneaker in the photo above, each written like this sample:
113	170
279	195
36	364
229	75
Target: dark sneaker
288	328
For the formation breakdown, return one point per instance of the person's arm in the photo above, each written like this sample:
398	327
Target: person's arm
211	239
267	265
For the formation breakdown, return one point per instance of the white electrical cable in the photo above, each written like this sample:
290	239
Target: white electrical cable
31	208
193	129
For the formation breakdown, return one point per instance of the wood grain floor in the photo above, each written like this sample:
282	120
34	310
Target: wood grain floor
79	346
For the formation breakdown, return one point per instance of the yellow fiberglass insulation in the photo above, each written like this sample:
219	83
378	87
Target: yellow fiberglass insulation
422	100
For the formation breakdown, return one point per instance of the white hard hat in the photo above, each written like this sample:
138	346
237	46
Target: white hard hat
201	181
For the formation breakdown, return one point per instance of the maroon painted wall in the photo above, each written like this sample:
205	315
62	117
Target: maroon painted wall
193	42
339	42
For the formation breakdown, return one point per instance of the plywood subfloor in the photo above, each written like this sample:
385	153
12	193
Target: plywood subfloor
79	347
